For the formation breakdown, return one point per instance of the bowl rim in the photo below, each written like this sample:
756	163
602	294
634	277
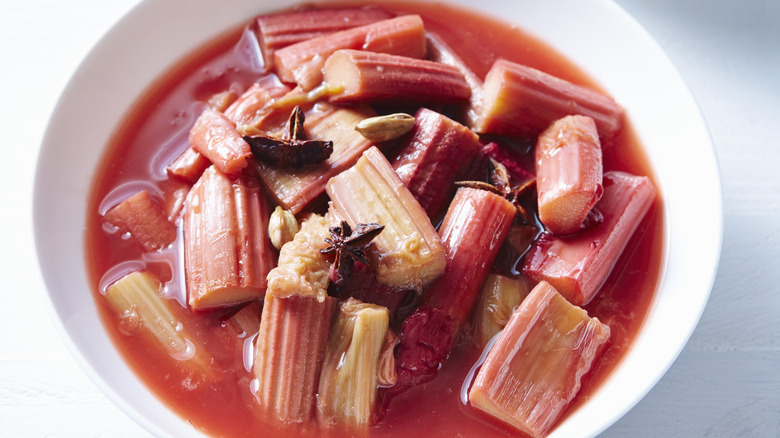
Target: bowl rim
67	322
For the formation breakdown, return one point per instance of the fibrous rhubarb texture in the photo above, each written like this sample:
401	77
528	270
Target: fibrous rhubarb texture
379	77
440	51
520	100
275	31
189	166
408	254
472	233
227	251
137	300
302	268
215	136
350	371
535	367
362	284
302	62
500	295
142	217
568	173
253	113
432	158
577	265
295	189
246	321
290	348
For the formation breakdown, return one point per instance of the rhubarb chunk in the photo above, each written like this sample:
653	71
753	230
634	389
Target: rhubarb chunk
295	189
431	160
302	62
142	217
215	136
519	100
472	233
253	113
189	166
227	251
536	365
408	254
246	321
378	77
275	31
439	51
568	173
500	295
577	265
302	268
290	349
350	372
137	300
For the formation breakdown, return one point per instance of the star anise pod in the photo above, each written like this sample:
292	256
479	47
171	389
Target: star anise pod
350	246
292	150
500	185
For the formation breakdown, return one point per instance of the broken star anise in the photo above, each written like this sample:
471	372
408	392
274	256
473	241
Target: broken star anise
500	185
292	150
349	246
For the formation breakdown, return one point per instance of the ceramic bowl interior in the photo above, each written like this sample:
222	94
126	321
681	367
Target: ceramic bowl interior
596	34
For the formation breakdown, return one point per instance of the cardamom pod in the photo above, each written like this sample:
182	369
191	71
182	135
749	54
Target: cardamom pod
384	128
282	227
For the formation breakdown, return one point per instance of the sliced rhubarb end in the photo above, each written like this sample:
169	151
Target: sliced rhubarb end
578	264
569	173
563	341
227	250
436	153
520	100
189	166
369	77
215	136
291	345
142	217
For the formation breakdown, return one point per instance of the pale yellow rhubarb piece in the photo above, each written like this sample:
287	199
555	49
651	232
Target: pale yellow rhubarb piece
295	189
408	253
247	320
227	251
536	366
500	295
568	173
138	301
290	348
302	268
350	372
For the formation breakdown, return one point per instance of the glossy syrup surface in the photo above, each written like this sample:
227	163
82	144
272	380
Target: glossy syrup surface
222	404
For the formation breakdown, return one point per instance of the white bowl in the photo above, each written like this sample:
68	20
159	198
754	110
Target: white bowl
596	34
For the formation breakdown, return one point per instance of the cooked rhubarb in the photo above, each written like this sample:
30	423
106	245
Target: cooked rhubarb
189	166
439	51
222	100
379	77
472	233
227	251
137	300
290	348
577	265
363	285
520	100
302	62
215	136
302	267
275	31
536	366
514	167
246	321
295	189
432	158
568	173
408	254
350	371
254	113
500	295
142	217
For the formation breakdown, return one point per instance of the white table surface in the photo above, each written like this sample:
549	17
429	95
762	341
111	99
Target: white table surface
725	383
